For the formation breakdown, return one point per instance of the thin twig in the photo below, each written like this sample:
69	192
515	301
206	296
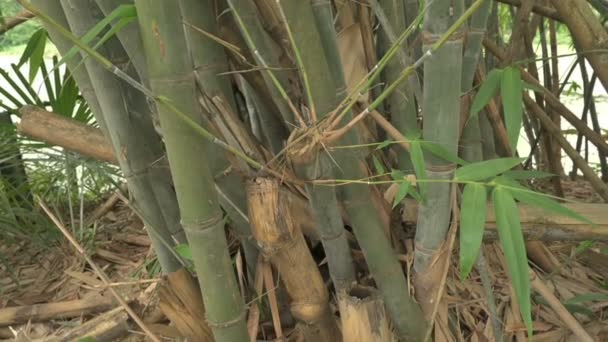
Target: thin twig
100	273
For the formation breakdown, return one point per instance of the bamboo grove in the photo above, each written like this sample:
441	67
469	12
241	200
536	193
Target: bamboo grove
304	129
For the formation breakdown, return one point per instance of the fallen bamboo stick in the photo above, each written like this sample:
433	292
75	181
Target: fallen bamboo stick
70	134
59	310
106	327
537	224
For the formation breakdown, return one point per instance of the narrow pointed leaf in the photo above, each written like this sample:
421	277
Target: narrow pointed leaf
512	242
384	144
472	224
418	162
37	56
511	88
404	188
378	165
485	169
486	92
546	203
527	174
442	152
31	46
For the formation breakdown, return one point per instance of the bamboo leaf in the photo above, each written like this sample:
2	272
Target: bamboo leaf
37	55
417	158
540	200
122	11
526	174
183	250
404	188
512	241
31	46
546	203
472	224
588	297
486	92
511	88
442	152
384	144
378	165
485	169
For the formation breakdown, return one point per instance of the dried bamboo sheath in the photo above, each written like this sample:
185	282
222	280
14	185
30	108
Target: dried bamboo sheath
283	244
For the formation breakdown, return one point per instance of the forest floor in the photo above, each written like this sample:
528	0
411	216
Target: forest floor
56	285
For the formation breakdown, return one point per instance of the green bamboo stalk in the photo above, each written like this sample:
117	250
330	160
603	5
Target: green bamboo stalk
471	135
260	44
401	103
130	38
170	71
209	62
364	218
132	135
441	108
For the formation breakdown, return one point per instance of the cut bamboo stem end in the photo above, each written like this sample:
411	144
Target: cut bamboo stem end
276	232
70	134
363	316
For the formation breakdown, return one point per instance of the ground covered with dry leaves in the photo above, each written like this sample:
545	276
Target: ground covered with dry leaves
51	294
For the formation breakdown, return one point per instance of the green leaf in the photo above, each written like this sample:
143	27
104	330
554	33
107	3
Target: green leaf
122	11
512	241
397	175
442	152
511	88
485	169
86	339
378	165
539	200
417	158
184	251
533	87
31	46
384	144
527	174
587	297
404	188
486	92
472	224
37	56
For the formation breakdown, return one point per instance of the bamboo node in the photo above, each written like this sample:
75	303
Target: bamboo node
194	227
226	324
429	38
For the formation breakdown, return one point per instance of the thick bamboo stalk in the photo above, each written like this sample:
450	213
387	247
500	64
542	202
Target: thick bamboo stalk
284	245
209	62
171	76
363	316
401	103
538	225
55	129
588	32
137	153
471	136
440	104
130	38
365	219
